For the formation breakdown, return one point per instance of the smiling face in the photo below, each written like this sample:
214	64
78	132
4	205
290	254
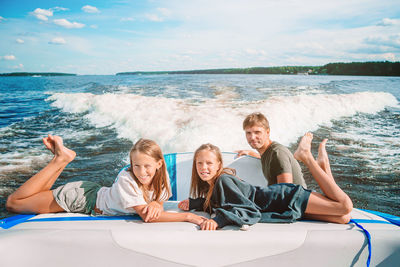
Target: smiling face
257	137
207	165
144	167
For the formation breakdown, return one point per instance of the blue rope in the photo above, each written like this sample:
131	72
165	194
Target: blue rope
367	234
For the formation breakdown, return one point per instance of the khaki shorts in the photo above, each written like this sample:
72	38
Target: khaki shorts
79	197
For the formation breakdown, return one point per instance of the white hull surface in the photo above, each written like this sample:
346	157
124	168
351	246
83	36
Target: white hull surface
67	239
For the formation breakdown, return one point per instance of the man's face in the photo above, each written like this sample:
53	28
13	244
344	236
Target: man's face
257	136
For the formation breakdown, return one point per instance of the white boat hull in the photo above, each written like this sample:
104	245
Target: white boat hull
67	239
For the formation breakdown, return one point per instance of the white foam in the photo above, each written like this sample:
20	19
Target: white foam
183	124
22	162
376	142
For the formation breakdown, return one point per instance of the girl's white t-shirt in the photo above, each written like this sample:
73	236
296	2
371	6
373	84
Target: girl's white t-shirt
123	195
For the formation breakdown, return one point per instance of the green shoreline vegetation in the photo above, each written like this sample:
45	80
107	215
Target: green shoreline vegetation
37	74
378	68
383	68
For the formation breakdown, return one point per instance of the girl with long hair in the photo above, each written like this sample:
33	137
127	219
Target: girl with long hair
236	202
140	189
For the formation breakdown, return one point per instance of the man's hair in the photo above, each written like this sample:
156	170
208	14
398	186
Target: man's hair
256	119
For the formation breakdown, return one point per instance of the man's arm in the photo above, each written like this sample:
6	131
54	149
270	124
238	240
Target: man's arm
284	178
281	166
247	152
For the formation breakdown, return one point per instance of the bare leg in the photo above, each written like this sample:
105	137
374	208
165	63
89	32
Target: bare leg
322	159
329	218
50	145
336	202
35	195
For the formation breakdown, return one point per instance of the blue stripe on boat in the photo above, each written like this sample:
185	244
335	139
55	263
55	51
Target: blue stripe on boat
368	221
88	218
22	218
17	219
391	218
170	160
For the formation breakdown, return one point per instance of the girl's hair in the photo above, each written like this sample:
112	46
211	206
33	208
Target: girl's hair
200	188
159	182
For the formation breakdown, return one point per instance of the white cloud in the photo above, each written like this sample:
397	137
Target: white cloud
389	56
381	57
83	45
20	41
58	41
390	41
1	19
127	19
255	52
42	14
57	8
164	11
8	57
388	22
69	25
154	17
90	9
19	66
94	26
160	15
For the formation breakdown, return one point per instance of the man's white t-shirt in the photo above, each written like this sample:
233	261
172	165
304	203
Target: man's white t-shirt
123	195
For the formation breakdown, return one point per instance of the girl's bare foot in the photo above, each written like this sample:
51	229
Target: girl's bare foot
322	159
303	151
61	152
49	143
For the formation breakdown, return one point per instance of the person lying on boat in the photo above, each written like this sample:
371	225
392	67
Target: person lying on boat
236	202
141	189
278	163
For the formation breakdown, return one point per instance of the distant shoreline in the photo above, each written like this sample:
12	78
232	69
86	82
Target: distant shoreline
379	68
37	74
384	68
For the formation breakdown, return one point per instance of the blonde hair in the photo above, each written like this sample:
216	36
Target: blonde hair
200	188
256	119
159	182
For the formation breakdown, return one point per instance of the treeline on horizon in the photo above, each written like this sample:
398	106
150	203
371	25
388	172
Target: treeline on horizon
37	74
378	68
381	68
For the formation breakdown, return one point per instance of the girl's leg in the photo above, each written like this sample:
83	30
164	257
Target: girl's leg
336	202
42	202
35	195
322	208
329	218
322	159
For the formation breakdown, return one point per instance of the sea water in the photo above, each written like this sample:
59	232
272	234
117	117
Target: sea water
100	117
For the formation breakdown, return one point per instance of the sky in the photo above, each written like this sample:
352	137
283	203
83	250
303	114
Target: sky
111	36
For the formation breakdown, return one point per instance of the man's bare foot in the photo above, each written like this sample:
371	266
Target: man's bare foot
322	159
303	151
61	152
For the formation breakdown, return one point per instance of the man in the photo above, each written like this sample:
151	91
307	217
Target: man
278	163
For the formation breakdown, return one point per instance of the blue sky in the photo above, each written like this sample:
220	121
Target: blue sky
106	36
